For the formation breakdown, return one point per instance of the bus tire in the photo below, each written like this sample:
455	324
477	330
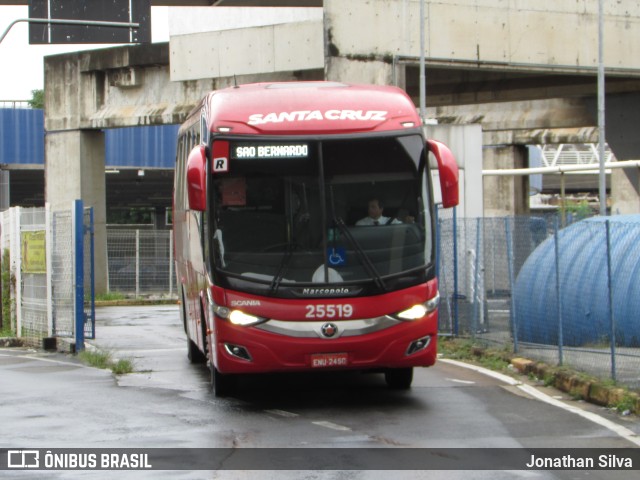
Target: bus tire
399	378
221	384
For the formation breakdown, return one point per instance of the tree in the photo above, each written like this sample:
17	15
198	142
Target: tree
37	99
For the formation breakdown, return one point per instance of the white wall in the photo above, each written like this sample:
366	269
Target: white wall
186	20
465	142
247	51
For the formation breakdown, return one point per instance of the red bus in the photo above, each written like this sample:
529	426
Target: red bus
280	264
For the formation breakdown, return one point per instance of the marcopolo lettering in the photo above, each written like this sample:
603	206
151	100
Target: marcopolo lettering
309	115
326	291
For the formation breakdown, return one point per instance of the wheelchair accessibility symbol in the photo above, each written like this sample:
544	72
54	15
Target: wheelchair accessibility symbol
337	256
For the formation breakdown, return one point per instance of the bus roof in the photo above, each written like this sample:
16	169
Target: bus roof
304	108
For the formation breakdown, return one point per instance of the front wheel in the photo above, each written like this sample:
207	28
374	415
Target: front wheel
399	378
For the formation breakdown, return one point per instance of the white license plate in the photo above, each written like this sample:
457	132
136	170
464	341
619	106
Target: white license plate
328	360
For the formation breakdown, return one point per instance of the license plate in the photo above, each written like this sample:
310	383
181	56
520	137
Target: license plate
328	360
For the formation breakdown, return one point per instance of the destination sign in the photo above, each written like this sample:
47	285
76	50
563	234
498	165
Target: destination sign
265	150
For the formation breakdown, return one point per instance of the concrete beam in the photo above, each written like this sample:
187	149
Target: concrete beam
116	87
261	50
522	115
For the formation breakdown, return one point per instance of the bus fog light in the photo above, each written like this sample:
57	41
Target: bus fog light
237	351
418	345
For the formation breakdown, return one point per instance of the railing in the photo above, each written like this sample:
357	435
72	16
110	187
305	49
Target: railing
15	104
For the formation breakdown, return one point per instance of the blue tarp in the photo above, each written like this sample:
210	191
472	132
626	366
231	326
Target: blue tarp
22	142
21	136
583	289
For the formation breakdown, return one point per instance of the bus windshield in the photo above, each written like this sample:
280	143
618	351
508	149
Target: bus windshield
335	212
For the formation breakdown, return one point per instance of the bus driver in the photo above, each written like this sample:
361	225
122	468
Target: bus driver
375	217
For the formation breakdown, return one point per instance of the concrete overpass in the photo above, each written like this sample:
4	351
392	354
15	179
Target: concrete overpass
525	71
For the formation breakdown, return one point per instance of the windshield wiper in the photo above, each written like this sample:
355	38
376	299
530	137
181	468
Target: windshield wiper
277	279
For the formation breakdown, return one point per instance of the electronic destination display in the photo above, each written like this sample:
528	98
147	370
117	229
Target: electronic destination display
253	151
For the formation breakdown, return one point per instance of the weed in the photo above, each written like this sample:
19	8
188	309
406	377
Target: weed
549	379
626	404
96	358
103	359
122	366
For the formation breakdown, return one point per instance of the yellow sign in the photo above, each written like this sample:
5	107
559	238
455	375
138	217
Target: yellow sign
33	252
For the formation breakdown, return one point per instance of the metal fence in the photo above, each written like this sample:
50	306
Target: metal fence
140	262
567	296
38	259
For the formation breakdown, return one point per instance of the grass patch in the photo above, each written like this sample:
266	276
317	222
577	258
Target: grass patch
103	359
462	349
110	296
122	366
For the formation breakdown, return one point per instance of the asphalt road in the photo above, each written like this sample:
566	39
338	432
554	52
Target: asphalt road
53	401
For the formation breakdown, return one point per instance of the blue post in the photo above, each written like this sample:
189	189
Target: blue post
512	284
93	275
612	322
558	294
78	276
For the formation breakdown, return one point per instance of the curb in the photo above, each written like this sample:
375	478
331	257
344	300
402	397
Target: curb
577	385
8	342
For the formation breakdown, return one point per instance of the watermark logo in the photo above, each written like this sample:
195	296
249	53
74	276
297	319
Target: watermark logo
23	459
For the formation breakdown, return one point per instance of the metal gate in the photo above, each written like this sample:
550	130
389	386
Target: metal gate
72	268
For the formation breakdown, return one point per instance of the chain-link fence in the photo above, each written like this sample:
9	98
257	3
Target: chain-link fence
140	261
567	296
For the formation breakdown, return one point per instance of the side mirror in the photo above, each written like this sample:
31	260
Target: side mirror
448	172
197	178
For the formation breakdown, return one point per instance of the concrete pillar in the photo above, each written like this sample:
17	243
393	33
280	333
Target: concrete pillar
625	191
505	195
75	170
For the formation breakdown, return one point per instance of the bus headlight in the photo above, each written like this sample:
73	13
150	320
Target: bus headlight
238	317
419	310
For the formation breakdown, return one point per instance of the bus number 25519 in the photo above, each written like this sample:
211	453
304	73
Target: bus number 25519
329	311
